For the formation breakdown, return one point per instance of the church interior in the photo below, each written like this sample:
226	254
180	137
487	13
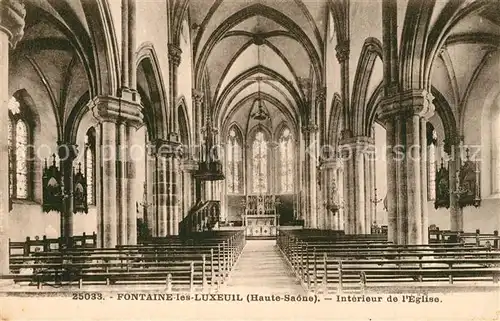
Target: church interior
177	142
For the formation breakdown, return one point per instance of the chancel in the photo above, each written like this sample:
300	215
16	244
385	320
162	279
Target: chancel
249	145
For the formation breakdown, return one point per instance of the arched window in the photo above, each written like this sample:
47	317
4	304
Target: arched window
90	165
259	163
18	141
431	162
234	161
286	161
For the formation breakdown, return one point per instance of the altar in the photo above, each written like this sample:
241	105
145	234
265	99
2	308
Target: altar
260	217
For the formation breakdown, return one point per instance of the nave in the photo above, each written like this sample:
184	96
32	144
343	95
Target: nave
156	143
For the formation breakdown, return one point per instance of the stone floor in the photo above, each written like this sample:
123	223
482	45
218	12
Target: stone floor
262	269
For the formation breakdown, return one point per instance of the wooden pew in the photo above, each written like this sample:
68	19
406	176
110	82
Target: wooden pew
323	264
194	267
46	244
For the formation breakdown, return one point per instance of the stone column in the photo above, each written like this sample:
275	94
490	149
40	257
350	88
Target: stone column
168	156
330	192
188	168
160	194
67	153
406	115
151	178
12	14
452	148
118	119
338	223
198	120
311	162
174	60
357	153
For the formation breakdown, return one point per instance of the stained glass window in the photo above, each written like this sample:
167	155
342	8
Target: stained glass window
234	160
286	161
259	163
21	160
90	165
18	153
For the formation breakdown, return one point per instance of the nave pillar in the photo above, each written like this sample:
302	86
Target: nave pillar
12	14
331	182
310	133
188	167
118	192
405	115
453	148
67	153
358	155
167	187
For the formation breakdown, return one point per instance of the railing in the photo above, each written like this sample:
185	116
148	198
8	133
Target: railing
203	217
46	244
475	238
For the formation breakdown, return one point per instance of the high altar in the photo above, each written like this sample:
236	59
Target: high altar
260	217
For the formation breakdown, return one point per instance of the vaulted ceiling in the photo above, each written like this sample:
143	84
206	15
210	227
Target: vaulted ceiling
242	47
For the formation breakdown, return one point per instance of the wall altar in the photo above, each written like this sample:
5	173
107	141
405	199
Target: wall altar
260	217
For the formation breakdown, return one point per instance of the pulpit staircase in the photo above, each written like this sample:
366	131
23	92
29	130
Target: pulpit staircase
204	216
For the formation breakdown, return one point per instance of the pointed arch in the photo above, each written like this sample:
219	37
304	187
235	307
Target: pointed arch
23	126
184	127
334	122
286	160
413	44
234	160
372	49
259	161
147	59
104	45
267	12
450	15
253	71
371	108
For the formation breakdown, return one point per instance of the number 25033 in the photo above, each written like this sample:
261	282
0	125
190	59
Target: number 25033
87	296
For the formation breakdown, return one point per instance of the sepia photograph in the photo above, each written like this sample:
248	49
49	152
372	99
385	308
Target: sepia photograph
250	160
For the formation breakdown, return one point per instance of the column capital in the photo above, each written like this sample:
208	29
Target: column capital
310	128
174	54
342	51
67	151
189	165
115	109
12	15
357	145
328	164
408	103
197	95
166	148
321	95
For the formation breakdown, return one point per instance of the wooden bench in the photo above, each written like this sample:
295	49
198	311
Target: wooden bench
193	267
327	263
46	244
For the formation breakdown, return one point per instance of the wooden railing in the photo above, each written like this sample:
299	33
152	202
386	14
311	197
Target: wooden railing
475	238
203	217
46	244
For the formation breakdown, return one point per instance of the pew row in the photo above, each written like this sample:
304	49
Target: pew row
173	266
330	264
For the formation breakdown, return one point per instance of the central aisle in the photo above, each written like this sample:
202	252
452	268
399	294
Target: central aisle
262	269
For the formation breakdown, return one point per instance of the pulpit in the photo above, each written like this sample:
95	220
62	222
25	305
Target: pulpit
260	217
